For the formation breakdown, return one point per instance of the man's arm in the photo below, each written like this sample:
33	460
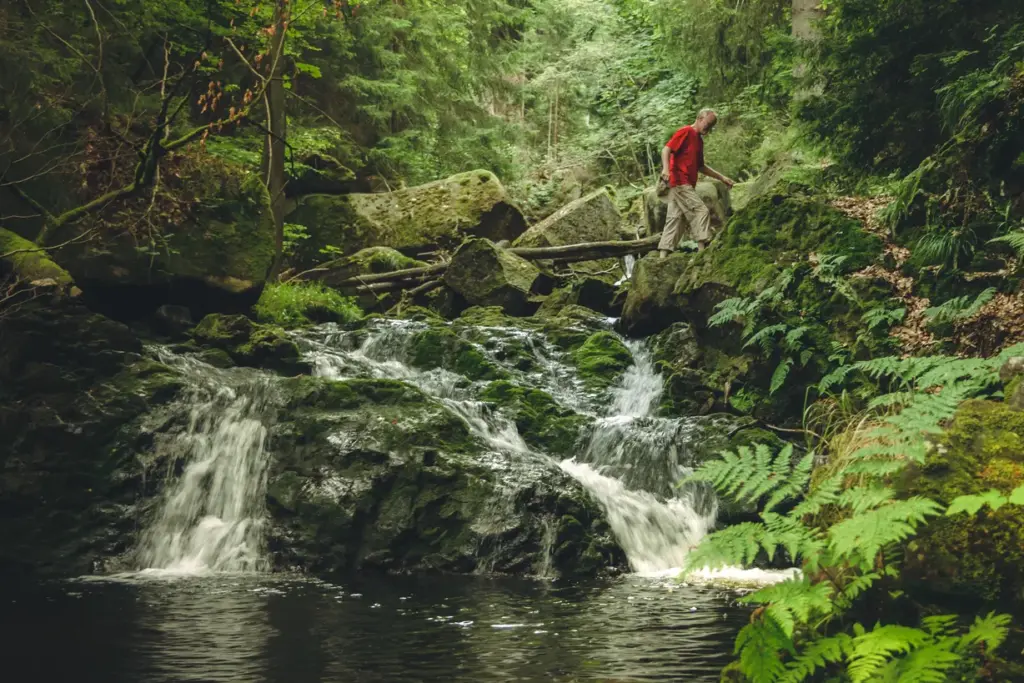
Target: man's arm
712	173
666	154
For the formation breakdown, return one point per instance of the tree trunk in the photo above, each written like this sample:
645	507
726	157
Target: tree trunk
805	15
274	145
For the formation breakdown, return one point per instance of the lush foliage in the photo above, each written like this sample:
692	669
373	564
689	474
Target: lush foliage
843	523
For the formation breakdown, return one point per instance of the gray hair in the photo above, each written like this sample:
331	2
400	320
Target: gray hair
704	112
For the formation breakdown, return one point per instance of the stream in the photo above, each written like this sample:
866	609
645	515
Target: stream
201	605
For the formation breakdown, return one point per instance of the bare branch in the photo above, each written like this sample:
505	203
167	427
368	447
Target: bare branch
83	237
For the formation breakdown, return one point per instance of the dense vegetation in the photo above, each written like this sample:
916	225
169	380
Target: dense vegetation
866	292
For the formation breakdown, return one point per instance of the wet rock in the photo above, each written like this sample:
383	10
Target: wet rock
73	386
366	262
590	292
439	214
250	344
440	347
487	276
373	474
543	423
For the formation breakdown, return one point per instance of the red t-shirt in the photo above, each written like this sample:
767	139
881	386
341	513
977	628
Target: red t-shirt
687	157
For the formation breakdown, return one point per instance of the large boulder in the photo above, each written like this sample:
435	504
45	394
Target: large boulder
592	218
215	257
486	275
652	304
373	474
73	387
439	214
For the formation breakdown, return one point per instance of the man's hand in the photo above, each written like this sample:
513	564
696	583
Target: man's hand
729	182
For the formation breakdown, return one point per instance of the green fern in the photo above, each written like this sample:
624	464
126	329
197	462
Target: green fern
759	645
860	538
873	650
780	375
883	317
793	602
959	308
816	655
1014	239
994	499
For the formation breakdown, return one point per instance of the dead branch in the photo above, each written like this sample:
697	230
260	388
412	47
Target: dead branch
427	286
587	251
83	237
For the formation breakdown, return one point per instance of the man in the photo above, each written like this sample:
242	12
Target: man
681	159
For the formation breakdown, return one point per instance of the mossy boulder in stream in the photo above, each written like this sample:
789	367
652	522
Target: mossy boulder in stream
439	214
980	556
440	347
652	304
602	359
543	423
248	343
486	275
374	474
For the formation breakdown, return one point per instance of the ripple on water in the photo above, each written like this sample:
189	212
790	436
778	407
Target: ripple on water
161	627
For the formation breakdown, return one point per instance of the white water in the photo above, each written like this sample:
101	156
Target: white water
212	518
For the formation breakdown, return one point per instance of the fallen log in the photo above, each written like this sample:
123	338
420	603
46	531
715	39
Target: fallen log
414	277
427	286
587	251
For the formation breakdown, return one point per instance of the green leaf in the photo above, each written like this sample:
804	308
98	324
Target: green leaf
780	375
972	504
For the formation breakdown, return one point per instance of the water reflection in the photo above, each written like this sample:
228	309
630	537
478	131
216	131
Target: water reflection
294	630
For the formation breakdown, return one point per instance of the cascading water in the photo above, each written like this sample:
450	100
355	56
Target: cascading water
213	517
632	463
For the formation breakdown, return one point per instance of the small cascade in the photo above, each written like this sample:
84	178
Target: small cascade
633	463
212	517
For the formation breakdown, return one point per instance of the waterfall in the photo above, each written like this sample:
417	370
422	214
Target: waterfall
632	464
212	518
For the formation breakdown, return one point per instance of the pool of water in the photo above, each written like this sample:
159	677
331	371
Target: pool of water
155	628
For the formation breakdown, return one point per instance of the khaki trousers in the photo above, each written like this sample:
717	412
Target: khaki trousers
685	204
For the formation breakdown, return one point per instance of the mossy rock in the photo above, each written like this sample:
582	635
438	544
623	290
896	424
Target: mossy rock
602	360
248	343
486	275
592	218
542	422
216	258
442	213
31	265
775	232
652	303
440	347
971	557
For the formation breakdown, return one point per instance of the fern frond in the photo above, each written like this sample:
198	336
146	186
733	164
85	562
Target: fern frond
990	630
972	504
1014	239
817	655
863	498
929	664
860	538
793	602
765	336
736	545
791	342
834	378
959	308
872	650
780	375
940	625
795	480
825	493
760	645
799	541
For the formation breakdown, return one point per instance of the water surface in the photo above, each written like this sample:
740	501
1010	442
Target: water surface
155	629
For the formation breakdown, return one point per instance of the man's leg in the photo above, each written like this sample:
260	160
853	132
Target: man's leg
697	215
673	223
